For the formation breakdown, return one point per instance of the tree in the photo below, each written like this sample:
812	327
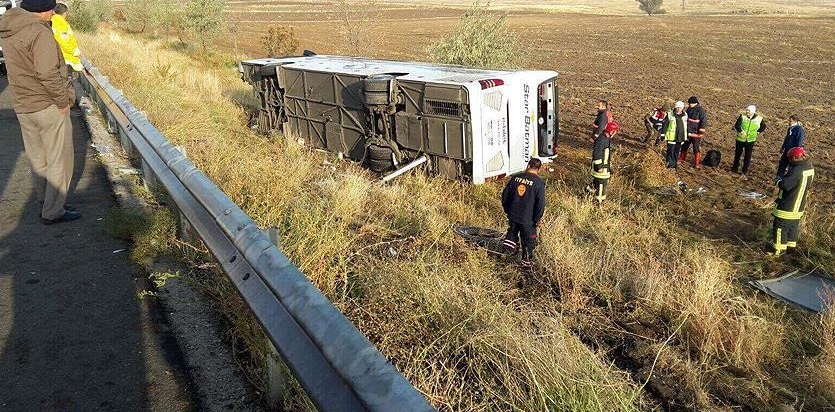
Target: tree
85	15
481	39
651	7
280	41
204	20
357	23
150	15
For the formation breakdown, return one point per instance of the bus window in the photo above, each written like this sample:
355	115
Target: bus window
548	122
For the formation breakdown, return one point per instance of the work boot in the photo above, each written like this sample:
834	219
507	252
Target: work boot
698	161
682	157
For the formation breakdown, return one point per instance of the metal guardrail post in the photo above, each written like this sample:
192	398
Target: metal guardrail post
339	369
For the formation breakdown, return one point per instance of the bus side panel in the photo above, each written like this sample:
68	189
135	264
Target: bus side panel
326	110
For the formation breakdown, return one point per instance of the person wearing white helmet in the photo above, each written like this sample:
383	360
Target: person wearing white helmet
749	125
675	133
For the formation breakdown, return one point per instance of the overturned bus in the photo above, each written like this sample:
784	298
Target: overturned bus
465	123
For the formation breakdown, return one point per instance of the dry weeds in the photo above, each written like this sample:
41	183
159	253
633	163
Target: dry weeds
457	322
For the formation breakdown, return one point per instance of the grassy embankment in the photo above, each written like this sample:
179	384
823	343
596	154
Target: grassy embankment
468	330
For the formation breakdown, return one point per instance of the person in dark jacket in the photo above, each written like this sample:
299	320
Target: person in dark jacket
792	200
696	124
600	162
748	127
523	200
655	121
795	137
675	132
604	117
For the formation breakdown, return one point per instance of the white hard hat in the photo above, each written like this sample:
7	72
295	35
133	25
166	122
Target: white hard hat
679	104
751	109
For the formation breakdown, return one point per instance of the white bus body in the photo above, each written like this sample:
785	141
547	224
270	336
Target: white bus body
471	123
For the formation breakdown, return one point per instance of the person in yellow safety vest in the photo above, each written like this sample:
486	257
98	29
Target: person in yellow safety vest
792	200
748	127
675	133
66	38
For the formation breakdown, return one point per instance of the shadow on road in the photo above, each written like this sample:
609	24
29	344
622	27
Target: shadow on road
72	336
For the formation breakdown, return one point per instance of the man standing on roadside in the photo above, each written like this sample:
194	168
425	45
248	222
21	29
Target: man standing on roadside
696	124
748	127
523	200
66	38
795	137
43	96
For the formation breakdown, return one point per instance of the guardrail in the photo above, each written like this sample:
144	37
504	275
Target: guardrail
339	369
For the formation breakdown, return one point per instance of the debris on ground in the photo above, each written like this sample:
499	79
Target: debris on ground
752	195
488	239
807	290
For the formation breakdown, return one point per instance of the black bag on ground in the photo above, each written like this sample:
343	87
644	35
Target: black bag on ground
712	158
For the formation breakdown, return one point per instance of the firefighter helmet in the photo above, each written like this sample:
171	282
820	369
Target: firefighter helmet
796	153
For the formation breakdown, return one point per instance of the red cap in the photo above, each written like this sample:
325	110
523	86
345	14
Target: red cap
612	128
796	152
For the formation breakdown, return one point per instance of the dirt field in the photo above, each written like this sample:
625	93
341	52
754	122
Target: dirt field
783	65
750	53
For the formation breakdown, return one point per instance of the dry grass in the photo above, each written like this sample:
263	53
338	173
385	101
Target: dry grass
456	322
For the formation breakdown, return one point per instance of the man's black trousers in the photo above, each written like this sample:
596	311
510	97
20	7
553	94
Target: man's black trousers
748	148
525	234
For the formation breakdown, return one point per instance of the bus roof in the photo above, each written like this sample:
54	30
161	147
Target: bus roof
432	72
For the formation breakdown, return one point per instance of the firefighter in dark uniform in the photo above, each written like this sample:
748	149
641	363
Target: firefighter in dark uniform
600	158
696	124
523	200
791	202
604	117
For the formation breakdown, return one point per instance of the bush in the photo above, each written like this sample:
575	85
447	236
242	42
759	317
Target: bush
651	7
204	20
357	23
85	15
481	39
280	41
149	15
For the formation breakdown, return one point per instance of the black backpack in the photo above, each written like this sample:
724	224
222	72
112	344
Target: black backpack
712	158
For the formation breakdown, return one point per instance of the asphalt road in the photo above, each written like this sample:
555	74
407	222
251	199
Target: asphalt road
74	336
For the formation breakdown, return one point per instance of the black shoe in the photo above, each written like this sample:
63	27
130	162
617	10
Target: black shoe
68	216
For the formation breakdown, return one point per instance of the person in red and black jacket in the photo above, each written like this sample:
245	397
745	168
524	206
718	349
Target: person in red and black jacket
696	124
523	200
655	121
604	117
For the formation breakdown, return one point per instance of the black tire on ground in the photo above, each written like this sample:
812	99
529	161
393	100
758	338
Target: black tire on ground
376	152
380	166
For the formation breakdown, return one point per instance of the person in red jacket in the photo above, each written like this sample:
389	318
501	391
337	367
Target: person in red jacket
696	124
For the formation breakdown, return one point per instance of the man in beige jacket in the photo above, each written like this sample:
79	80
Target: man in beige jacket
42	99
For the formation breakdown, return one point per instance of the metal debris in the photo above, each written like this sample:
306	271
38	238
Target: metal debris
752	195
807	290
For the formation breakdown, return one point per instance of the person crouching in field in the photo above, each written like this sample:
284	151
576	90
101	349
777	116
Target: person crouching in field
792	200
600	157
795	137
523	200
654	121
675	132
